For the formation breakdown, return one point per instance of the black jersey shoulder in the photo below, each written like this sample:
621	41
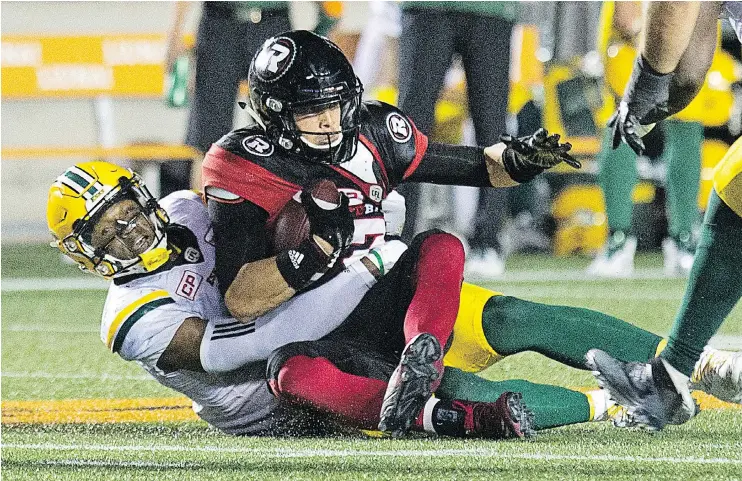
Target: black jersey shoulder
394	136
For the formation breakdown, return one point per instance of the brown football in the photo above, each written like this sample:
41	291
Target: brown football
291	226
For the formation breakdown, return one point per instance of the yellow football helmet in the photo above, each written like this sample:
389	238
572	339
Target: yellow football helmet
77	200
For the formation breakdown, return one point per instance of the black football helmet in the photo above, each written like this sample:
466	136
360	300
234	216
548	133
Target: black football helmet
298	72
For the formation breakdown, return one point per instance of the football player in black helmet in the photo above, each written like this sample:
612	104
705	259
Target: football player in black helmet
311	125
304	93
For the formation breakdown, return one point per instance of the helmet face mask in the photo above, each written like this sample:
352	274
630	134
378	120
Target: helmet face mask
296	73
120	229
104	218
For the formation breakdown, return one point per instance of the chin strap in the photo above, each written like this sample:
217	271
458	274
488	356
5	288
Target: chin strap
155	258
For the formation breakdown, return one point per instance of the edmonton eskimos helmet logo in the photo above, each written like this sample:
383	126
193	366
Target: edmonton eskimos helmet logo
275	59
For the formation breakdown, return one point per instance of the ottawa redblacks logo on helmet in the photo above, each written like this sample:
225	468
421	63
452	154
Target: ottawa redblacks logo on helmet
275	59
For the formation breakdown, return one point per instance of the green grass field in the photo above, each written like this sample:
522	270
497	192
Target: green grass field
52	351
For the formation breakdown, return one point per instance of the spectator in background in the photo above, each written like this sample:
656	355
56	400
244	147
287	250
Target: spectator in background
620	28
480	32
229	34
379	35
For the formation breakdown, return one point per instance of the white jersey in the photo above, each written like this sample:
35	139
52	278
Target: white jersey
141	317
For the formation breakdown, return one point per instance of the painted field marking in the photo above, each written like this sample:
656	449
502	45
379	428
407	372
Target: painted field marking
47	328
76	463
83	411
345	453
78	411
25	284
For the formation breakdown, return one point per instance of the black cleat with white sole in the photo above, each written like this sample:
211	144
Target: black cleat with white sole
646	389
411	384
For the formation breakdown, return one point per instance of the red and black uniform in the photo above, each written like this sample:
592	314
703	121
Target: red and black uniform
421	294
265	177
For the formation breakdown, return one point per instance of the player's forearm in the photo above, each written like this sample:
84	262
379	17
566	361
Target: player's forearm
627	20
258	288
696	61
306	317
668	30
454	165
175	34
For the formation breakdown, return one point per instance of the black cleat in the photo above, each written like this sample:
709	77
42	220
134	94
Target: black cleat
506	418
411	384
646	389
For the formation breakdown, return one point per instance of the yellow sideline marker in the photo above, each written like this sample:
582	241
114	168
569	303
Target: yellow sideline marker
142	410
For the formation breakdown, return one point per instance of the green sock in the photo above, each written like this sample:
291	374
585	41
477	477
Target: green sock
683	174
617	179
714	286
551	405
562	333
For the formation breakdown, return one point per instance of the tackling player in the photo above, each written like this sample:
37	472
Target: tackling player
164	309
679	47
165	312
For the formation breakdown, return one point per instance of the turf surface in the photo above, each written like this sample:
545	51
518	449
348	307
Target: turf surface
52	350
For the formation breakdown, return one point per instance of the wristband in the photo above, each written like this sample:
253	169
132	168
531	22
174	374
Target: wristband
300	265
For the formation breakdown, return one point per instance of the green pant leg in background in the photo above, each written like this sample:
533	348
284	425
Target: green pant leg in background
562	333
714	286
617	179
683	155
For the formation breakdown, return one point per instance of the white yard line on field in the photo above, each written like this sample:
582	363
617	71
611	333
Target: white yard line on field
347	453
111	464
46	328
555	275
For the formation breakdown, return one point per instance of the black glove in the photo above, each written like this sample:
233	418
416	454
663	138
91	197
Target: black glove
644	103
526	157
334	226
307	263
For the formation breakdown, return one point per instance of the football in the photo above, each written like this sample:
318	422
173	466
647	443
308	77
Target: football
291	226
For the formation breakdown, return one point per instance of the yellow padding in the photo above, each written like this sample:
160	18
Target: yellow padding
728	177
470	350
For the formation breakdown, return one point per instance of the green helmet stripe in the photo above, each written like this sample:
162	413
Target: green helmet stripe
82	183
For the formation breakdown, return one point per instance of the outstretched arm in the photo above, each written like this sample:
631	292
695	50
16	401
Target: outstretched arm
505	164
669	27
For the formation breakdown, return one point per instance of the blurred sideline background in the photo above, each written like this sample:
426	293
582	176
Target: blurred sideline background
84	81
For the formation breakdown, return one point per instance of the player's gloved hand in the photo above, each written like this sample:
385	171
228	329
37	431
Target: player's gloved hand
395	211
335	226
644	103
311	259
526	157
